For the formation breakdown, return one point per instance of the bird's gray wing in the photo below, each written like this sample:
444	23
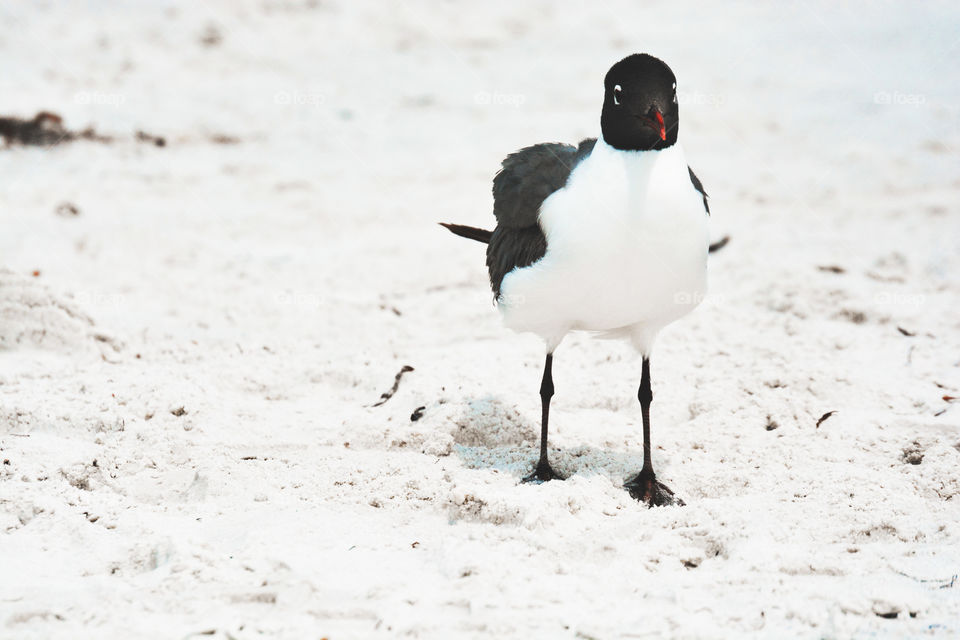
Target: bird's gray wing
526	178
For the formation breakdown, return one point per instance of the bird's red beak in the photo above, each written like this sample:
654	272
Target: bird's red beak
663	129
655	122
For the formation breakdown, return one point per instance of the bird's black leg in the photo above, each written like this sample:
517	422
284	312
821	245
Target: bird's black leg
544	472
644	485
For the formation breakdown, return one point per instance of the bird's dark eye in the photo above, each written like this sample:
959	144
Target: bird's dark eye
617	92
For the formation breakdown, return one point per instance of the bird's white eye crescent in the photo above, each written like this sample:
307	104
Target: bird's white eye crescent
616	94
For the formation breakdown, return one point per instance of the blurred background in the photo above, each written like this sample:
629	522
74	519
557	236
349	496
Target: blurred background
377	115
296	126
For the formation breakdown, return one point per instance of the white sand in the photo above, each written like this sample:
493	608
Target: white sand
273	288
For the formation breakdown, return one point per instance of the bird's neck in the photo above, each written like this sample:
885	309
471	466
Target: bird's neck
633	172
639	165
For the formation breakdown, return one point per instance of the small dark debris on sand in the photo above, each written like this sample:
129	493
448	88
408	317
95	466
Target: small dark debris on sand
45	129
396	385
158	141
719	244
824	417
909	334
67	210
417	414
179	411
211	36
771	424
852	315
947	399
913	454
222	138
831	268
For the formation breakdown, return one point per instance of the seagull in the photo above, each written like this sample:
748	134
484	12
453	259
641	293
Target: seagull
608	237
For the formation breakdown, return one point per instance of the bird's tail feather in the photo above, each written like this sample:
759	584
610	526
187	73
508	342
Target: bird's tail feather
482	235
474	233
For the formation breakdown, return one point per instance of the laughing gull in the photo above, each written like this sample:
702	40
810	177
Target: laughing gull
608	237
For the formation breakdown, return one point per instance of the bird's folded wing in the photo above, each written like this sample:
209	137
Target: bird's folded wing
699	187
526	178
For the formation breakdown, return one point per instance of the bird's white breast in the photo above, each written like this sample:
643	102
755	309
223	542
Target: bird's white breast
626	250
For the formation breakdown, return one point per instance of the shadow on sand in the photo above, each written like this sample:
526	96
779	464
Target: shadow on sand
492	435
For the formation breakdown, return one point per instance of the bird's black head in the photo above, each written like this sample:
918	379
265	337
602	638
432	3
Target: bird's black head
640	110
